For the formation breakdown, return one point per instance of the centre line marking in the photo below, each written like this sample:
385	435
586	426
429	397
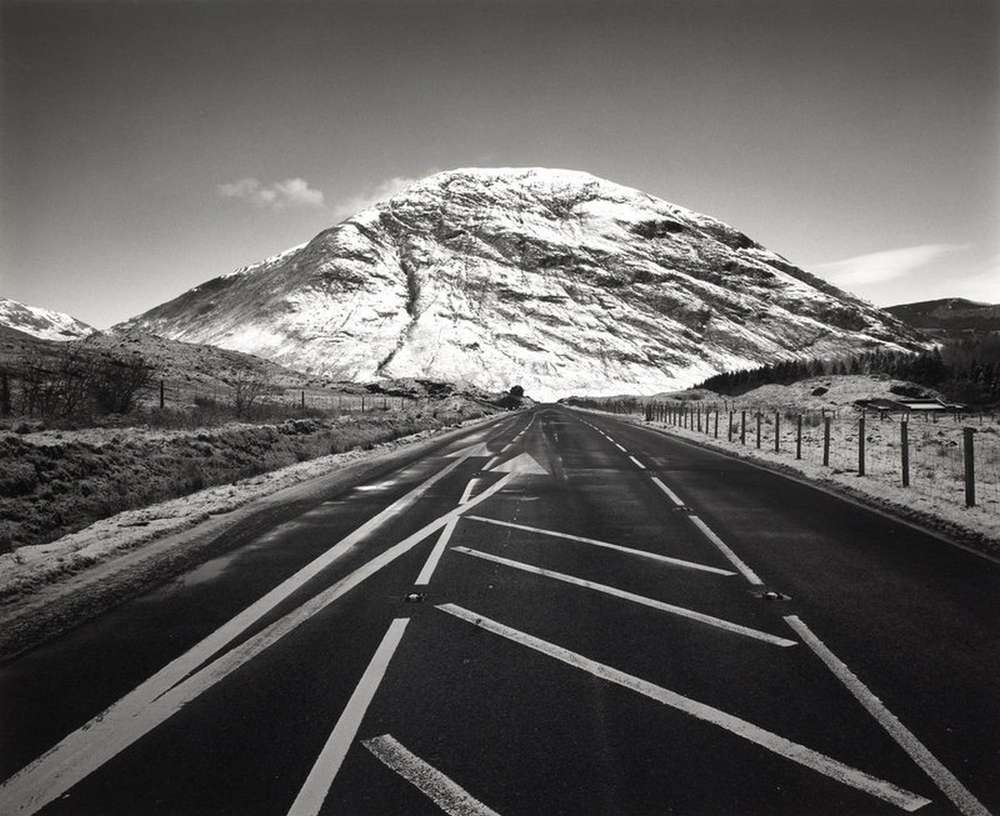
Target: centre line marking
670	493
104	737
821	763
637	463
432	560
680	562
631	596
960	796
620	448
734	559
442	791
317	785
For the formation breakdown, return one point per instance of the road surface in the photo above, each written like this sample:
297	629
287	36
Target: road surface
560	613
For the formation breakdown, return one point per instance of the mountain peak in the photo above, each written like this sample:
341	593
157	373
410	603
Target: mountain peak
556	280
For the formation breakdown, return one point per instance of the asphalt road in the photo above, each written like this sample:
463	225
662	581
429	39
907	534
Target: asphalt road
560	614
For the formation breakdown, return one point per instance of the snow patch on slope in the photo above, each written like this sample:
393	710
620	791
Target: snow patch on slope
46	324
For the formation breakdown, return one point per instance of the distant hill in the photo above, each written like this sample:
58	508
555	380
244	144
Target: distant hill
45	324
950	318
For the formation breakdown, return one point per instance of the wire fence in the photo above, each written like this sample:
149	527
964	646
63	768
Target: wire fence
950	457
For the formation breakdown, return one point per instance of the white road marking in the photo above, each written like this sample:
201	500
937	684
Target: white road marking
468	490
104	737
637	463
491	463
432	560
742	728
309	802
620	448
734	559
680	562
442	791
719	623
960	796
670	493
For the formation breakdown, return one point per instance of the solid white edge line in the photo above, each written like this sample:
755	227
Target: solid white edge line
950	786
625	595
310	799
680	562
670	493
734	559
432	560
91	746
447	794
807	757
637	463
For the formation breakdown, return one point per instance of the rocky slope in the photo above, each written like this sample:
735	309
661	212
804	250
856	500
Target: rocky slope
553	279
42	323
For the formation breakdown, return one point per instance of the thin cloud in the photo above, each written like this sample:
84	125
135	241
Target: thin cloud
292	192
879	267
381	191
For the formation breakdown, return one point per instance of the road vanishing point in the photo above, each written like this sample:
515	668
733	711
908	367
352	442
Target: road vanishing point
557	612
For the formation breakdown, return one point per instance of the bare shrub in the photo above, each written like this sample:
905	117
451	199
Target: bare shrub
117	382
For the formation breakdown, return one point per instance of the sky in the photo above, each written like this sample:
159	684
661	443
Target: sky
146	147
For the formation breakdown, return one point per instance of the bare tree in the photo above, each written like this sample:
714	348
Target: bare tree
249	388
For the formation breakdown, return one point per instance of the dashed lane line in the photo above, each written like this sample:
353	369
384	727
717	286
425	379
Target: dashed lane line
670	493
734	559
680	611
637	463
432	560
960	796
768	740
710	534
680	562
311	796
448	795
104	737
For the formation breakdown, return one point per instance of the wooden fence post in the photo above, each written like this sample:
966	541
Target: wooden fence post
716	421
302	399
904	447
798	437
826	440
758	429
777	432
161	394
729	429
861	446
743	427
970	466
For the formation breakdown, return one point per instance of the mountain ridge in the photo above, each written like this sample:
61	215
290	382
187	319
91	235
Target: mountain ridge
45	324
950	317
553	279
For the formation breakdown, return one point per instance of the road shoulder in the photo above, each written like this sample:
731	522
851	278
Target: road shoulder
69	581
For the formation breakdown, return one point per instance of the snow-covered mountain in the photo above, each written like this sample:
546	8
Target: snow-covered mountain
44	323
553	279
